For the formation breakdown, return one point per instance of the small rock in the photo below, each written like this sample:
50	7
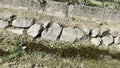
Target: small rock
24	47
3	24
16	30
114	33
95	32
107	58
22	22
107	40
117	39
68	34
104	32
96	41
34	30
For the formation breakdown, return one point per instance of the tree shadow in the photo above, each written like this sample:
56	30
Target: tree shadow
70	52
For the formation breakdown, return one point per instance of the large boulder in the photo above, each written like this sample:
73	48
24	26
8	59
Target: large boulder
34	30
16	30
22	22
7	16
96	41
80	34
3	24
107	40
86	29
52	33
117	39
104	32
68	34
95	32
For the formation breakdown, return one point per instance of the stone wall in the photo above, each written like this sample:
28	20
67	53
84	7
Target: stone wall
53	31
63	10
95	12
52	8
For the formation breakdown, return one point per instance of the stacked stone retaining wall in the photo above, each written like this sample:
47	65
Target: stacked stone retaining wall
53	31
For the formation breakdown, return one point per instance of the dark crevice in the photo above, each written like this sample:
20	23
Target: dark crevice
13	17
42	29
40	32
33	22
60	34
48	26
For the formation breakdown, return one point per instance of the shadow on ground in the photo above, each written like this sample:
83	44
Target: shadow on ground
70	52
